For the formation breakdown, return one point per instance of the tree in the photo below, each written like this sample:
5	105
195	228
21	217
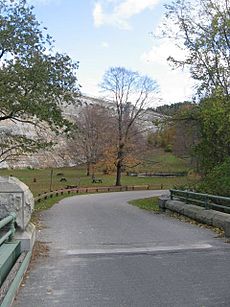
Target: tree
187	133
92	135
108	161
202	131
130	93
172	109
35	83
217	182
12	145
203	31
214	124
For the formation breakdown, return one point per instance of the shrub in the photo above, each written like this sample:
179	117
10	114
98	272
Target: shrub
168	148
217	181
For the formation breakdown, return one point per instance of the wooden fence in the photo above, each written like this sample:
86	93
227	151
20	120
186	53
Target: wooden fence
81	190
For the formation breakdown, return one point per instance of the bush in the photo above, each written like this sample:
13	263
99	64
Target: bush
168	148
217	182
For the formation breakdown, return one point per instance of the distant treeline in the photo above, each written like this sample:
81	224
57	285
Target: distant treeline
172	109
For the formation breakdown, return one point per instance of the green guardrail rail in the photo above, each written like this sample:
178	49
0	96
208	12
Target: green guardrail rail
13	262
9	249
208	201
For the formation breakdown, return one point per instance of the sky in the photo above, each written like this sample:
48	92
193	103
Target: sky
107	33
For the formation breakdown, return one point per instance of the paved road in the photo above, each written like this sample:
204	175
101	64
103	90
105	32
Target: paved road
104	252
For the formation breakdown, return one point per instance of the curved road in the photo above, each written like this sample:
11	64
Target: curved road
105	252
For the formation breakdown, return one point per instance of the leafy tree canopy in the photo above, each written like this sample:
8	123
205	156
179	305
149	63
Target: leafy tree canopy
34	81
217	182
201	28
214	124
172	109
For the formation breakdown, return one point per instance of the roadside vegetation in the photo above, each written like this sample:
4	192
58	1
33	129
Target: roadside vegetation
150	204
201	129
217	181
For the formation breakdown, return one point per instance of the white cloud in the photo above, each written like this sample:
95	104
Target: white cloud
105	45
90	85
122	11
175	85
130	8
98	15
43	2
161	51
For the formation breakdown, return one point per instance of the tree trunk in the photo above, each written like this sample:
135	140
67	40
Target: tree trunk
119	170
88	169
120	156
93	175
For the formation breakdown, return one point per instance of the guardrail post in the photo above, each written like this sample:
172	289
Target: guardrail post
206	203
12	227
186	197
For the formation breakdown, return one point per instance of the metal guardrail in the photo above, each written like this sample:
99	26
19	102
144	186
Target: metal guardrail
208	201
9	220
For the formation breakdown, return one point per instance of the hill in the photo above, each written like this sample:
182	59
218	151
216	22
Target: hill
59	155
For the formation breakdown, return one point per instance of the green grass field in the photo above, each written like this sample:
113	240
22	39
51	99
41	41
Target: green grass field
159	161
76	176
39	180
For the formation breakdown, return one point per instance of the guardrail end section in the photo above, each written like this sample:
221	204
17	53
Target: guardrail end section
13	289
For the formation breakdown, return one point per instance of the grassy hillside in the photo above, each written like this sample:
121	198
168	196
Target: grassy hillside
159	161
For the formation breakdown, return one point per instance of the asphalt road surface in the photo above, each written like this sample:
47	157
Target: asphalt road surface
105	252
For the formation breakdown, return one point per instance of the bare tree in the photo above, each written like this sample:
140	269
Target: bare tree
91	135
130	93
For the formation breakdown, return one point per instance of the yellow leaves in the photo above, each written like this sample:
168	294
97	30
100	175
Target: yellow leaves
110	159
